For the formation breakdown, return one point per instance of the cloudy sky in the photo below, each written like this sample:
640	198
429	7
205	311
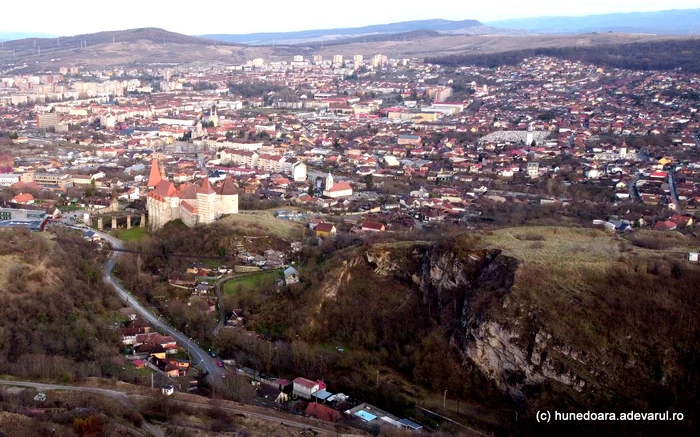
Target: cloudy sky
72	17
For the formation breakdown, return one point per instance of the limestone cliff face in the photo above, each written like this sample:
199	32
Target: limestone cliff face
468	293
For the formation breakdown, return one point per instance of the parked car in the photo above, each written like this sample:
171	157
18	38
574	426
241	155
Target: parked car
220	363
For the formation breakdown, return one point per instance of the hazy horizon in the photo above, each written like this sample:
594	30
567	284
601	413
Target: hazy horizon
64	19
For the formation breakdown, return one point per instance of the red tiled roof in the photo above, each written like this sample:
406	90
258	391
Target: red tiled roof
373	225
305	382
322	412
154	178
340	186
206	187
189	207
24	197
166	189
229	187
324	227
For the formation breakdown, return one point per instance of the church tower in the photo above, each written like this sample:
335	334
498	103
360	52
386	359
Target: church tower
154	177
329	181
206	198
214	118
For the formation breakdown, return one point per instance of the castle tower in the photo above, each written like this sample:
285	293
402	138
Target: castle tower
229	197
155	176
206	199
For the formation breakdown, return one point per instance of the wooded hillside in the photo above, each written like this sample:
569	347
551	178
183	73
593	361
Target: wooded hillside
657	55
54	308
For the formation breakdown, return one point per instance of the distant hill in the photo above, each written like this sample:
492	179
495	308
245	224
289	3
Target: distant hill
381	37
148	46
669	22
437	25
127	47
157	36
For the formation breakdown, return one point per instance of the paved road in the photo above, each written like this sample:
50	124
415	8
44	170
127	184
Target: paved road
222	310
672	188
199	356
203	360
121	397
127	400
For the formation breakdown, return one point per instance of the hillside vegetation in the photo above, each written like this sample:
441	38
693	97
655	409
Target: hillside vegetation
652	55
520	319
55	312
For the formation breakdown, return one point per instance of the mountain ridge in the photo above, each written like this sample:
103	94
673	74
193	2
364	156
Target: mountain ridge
153	34
313	35
665	22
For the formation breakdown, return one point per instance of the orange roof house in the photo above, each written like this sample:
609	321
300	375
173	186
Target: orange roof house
23	199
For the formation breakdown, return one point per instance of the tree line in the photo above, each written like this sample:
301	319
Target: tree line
658	55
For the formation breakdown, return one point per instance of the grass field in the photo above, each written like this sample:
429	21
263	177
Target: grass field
561	246
133	234
556	245
265	222
250	282
69	208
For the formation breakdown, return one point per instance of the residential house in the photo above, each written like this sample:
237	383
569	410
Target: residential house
291	275
373	226
324	230
305	388
23	199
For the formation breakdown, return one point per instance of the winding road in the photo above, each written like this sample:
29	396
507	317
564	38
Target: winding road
200	357
207	363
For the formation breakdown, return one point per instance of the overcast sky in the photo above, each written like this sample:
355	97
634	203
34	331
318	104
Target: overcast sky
72	17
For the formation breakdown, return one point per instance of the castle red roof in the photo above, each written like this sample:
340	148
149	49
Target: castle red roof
206	187
229	187
154	178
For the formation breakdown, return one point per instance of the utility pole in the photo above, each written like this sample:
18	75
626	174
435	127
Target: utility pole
377	378
151	380
444	399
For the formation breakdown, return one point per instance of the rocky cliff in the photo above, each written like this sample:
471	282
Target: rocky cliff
468	292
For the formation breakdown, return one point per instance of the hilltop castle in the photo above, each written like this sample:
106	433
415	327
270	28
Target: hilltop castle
191	203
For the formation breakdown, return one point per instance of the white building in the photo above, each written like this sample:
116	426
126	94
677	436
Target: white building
298	171
533	169
8	179
333	190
